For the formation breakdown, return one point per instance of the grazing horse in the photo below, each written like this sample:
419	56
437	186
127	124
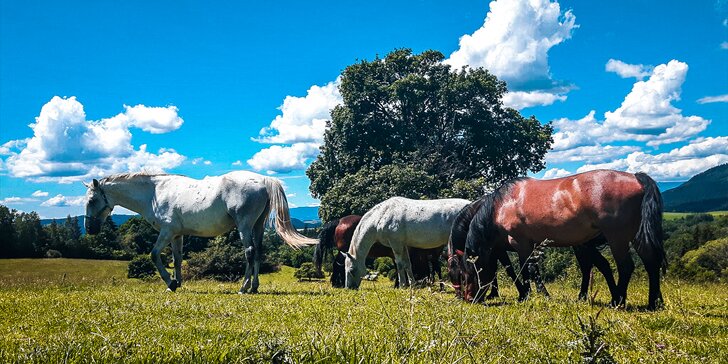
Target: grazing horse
587	256
571	211
400	223
177	205
338	233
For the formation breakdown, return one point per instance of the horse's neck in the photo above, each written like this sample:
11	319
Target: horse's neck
362	242
135	195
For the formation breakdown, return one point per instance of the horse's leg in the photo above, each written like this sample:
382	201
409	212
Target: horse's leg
602	264
177	257
652	266
245	229
337	273
404	266
523	262
535	272
258	230
165	237
585	265
494	285
625	267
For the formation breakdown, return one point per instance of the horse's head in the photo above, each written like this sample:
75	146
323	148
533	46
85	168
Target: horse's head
471	274
97	207
354	272
455	271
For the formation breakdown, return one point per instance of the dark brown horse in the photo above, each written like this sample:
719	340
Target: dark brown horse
571	211
587	256
338	233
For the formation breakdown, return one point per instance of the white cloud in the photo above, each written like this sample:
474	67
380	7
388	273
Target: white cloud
555	173
514	42
40	193
156	120
237	163
646	115
724	45
279	159
63	201
523	99
677	164
66	147
303	119
711	99
590	153
14	200
624	70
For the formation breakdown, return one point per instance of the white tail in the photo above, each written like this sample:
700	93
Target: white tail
282	217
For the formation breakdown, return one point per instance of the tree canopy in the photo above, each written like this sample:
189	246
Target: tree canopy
413	111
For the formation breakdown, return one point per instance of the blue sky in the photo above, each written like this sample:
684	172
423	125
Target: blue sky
186	87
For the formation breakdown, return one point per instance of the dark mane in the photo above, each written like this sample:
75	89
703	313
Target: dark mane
326	242
481	228
460	226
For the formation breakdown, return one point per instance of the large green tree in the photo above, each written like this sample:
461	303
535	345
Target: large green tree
414	111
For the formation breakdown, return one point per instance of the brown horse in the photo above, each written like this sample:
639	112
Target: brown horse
338	233
571	211
587	256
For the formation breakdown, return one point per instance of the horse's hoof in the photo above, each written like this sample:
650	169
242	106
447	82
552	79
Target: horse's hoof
173	284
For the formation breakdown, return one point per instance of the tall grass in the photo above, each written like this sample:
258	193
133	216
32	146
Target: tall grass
96	314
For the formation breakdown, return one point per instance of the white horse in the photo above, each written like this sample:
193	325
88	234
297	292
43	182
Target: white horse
177	205
400	223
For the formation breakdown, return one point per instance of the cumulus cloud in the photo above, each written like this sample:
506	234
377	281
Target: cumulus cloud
14	200
711	99
513	44
63	201
281	159
238	163
303	119
590	153
40	193
677	164
197	161
624	70
66	147
555	173
523	99
646	115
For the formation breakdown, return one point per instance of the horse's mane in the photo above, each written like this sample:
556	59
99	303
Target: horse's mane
326	242
132	175
461	224
482	227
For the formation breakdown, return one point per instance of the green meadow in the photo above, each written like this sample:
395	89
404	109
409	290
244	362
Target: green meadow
65	310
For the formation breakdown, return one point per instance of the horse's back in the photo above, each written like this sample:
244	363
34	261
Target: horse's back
422	223
572	209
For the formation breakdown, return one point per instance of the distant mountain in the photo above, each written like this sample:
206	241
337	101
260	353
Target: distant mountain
300	218
707	191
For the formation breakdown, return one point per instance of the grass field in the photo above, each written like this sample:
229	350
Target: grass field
66	310
678	215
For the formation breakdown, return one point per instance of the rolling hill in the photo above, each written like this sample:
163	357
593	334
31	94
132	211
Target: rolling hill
707	191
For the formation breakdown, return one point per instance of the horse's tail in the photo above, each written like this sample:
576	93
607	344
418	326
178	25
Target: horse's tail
649	236
325	242
282	216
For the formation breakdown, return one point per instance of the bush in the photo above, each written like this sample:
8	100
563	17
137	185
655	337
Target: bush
707	263
141	267
308	271
53	254
224	260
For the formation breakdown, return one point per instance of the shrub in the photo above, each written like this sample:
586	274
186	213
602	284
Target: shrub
53	254
308	271
709	262
223	260
141	267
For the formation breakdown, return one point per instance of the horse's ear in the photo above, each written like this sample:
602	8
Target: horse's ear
96	183
85	184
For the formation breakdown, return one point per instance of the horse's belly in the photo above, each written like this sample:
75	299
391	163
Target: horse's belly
562	235
207	225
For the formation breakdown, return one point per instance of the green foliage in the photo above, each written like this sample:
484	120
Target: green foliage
53	254
308	271
413	111
141	267
391	180
707	263
556	263
137	235
222	260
